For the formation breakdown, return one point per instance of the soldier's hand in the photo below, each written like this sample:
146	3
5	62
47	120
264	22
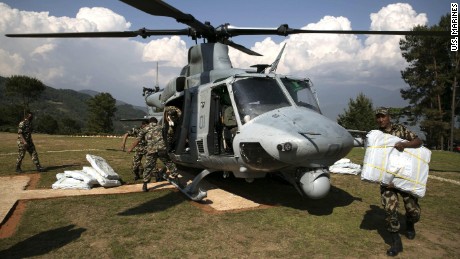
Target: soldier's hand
399	146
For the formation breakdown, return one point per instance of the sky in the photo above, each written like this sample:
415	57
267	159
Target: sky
340	66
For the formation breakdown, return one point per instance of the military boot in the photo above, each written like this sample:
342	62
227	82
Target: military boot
18	169
144	187
410	230
40	169
396	245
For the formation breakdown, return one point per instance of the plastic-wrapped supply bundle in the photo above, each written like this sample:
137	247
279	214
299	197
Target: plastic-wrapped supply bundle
407	170
70	183
101	173
345	166
104	182
82	176
102	167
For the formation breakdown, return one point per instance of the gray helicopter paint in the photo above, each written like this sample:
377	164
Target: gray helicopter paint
317	141
208	56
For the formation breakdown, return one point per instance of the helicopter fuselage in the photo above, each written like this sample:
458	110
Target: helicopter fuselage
252	124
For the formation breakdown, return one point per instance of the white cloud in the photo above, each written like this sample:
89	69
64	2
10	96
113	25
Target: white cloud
105	19
384	50
397	17
172	50
43	49
10	64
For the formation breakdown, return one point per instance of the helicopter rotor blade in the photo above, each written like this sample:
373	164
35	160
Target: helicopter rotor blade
144	33
240	47
285	30
160	8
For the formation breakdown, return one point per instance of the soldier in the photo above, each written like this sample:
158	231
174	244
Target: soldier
25	143
156	149
139	152
172	116
389	194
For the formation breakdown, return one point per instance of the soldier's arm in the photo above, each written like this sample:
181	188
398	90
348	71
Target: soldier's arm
20	133
136	142
414	143
123	143
140	136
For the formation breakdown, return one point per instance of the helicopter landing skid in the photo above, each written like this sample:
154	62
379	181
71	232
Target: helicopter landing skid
192	190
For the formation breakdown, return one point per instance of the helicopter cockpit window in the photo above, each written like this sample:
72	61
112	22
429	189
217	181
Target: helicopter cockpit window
255	96
301	92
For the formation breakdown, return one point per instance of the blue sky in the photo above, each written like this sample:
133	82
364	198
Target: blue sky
340	67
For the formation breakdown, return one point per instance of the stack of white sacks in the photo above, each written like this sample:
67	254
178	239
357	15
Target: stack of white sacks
100	173
407	170
345	166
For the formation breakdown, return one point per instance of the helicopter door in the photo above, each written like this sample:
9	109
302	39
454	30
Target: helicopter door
204	140
215	126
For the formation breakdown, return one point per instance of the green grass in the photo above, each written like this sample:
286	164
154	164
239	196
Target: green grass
158	224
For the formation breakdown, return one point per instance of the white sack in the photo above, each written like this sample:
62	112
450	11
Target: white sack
345	166
82	176
102	167
104	182
70	183
407	170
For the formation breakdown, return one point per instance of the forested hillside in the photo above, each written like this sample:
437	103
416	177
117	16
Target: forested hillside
60	111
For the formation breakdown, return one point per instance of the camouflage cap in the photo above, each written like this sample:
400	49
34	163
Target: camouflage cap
382	110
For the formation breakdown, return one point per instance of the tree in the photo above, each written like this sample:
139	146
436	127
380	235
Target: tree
11	115
101	109
24	87
69	126
359	114
46	124
432	77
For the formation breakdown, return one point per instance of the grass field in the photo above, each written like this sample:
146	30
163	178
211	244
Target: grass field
348	223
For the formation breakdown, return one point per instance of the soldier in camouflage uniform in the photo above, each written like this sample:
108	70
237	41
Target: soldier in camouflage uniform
139	152
25	143
156	149
389	194
172	117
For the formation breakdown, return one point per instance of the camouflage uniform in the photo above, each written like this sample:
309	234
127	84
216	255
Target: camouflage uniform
390	199
25	129
155	149
174	114
139	152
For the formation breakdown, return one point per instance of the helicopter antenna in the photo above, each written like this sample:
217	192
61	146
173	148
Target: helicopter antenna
156	84
274	65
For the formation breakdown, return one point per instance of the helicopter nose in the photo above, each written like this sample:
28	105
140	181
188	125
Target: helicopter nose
293	136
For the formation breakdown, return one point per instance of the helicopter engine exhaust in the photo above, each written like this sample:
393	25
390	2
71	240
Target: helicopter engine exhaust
315	184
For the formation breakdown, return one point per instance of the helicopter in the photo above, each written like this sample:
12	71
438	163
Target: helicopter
250	122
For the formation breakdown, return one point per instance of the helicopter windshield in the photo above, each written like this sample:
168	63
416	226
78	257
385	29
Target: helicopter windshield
301	92
257	95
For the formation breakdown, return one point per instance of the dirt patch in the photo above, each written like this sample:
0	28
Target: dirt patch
12	222
34	179
8	228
